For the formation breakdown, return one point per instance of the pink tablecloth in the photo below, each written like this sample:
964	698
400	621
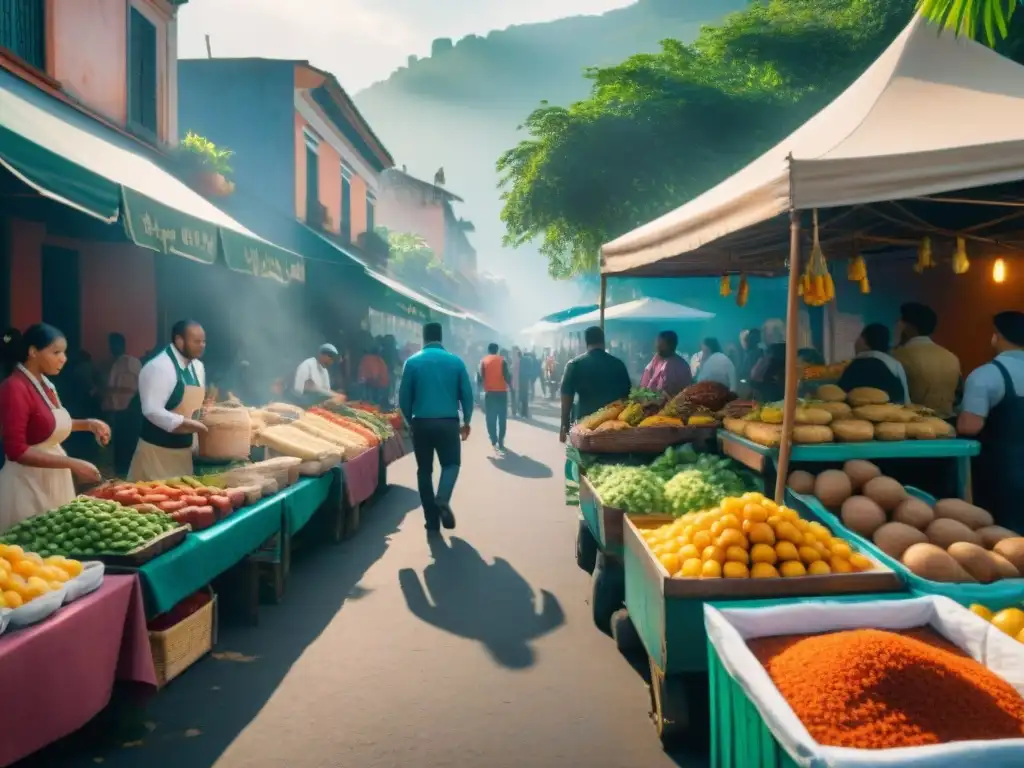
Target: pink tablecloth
361	474
393	449
60	673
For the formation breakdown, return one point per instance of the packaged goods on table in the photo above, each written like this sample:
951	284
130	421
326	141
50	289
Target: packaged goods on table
947	540
918	682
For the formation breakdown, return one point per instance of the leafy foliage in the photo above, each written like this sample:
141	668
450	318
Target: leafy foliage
197	152
970	17
414	262
659	129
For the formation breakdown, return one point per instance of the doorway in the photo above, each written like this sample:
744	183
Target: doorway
62	300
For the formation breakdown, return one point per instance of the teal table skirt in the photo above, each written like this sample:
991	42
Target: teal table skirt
203	556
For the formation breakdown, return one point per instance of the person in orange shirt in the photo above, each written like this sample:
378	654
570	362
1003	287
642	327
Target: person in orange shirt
494	379
373	376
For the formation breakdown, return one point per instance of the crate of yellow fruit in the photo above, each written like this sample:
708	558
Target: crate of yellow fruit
33	588
745	549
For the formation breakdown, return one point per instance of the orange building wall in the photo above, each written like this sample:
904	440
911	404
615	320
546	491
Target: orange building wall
117	283
358	194
330	184
300	169
404	212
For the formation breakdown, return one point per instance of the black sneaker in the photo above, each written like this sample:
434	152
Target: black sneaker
447	516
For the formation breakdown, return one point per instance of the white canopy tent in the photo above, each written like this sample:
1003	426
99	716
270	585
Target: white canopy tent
935	113
540	328
645	310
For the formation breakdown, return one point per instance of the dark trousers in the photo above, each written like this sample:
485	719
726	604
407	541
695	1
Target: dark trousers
525	392
496	411
440	436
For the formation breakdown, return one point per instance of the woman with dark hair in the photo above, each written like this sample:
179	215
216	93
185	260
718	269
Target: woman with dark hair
38	474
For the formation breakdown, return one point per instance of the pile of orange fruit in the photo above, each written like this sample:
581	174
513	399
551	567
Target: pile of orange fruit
25	576
750	537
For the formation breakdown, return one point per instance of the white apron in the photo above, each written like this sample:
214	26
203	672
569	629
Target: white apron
152	462
29	491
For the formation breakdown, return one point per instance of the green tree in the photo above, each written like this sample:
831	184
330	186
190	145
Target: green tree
972	17
414	262
659	129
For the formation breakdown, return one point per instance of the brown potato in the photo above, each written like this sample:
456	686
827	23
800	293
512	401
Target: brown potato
914	512
993	534
866	396
1012	550
853	431
813	415
862	515
968	514
975	560
830	393
833	487
890	432
801	482
811	434
860	471
838	410
944	532
935	564
1005	568
896	538
885	492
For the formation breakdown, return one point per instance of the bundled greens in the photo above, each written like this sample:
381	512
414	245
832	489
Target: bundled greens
637	490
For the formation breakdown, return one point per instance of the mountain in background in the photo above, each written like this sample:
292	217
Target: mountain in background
460	108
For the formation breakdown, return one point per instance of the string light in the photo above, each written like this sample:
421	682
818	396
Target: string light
999	271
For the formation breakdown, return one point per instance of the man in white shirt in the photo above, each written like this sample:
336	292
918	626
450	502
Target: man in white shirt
313	377
172	387
716	366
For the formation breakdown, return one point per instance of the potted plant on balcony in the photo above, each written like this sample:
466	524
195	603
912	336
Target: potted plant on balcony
205	165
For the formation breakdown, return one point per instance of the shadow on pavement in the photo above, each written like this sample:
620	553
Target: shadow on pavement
198	715
493	604
520	465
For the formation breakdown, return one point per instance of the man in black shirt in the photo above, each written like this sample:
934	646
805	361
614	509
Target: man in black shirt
595	377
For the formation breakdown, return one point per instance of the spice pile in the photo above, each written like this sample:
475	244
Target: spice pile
878	689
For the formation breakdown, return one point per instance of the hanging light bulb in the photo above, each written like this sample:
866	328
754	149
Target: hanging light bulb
999	271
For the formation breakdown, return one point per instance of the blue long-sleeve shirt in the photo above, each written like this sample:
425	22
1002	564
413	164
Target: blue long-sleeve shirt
434	384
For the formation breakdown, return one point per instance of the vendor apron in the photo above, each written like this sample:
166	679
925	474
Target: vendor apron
29	491
997	473
161	455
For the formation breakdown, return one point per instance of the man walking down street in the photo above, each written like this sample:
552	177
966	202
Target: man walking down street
434	385
494	378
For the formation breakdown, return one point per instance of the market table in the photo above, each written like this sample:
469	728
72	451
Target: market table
60	673
308	495
760	457
361	476
393	449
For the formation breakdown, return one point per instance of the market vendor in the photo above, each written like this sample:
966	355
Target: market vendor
667	372
993	412
933	372
595	377
875	367
38	475
313	377
172	387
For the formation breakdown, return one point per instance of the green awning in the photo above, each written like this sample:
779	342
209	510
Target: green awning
74	159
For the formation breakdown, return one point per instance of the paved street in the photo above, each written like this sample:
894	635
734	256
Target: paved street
481	653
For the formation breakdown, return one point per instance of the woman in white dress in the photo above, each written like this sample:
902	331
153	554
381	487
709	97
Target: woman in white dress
38	475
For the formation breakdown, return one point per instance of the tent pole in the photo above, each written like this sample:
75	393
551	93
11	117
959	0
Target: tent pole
792	355
604	295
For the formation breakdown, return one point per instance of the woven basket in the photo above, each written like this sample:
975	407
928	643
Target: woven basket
638	439
229	435
178	648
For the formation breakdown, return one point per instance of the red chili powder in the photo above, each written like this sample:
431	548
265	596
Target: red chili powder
877	689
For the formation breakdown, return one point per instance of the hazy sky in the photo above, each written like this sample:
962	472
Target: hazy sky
360	41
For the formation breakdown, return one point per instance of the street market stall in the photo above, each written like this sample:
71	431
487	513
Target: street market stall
645	310
871	173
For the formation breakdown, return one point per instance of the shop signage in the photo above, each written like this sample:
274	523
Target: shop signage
160	228
243	254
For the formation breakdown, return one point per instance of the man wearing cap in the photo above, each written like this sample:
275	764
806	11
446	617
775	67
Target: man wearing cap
313	378
993	413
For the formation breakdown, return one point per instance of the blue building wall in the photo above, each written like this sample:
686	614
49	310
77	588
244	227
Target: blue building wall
245	105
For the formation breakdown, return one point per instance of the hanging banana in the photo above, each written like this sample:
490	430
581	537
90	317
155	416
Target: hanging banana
743	292
817	284
856	269
724	287
925	259
960	261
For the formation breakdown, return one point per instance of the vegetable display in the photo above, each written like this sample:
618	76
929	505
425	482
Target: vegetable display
27	575
696	406
88	526
187	500
637	490
879	689
952	541
749	536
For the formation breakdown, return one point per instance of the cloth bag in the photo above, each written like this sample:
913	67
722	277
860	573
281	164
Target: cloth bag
729	629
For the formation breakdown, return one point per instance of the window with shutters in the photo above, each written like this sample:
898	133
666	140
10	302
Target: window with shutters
23	30
371	213
314	211
346	203
143	77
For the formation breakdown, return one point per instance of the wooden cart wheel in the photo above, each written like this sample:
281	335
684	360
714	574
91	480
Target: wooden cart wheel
608	591
627	639
669	707
586	548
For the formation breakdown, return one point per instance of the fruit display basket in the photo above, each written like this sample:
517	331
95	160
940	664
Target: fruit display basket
143	554
753	726
668	614
999	594
639	439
